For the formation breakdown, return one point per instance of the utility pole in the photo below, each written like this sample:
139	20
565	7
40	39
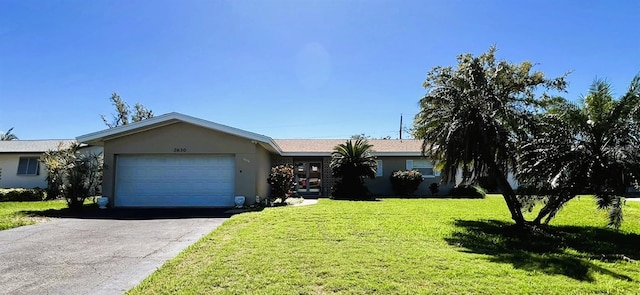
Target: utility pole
400	126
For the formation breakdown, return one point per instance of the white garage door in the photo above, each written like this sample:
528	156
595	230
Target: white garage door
174	181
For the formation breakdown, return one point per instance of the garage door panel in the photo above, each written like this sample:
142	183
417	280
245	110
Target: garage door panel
175	180
173	201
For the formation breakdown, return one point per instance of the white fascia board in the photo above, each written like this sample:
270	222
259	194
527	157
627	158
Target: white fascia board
97	138
305	154
125	129
170	118
328	154
272	147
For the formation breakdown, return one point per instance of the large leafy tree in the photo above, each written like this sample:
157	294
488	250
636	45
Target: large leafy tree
351	162
591	147
8	135
474	116
124	114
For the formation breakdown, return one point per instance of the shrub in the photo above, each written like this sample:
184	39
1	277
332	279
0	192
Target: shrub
281	179
350	190
351	162
22	195
73	175
405	182
434	188
467	191
488	183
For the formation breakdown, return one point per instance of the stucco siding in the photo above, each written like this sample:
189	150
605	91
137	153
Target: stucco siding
9	177
184	138
94	149
246	171
263	165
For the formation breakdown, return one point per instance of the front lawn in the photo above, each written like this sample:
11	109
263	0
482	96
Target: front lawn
402	246
12	214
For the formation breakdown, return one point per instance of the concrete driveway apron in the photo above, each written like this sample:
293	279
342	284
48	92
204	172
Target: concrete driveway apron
95	255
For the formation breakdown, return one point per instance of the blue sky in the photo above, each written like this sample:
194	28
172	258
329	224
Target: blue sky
286	69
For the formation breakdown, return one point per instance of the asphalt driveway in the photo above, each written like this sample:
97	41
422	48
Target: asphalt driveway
107	253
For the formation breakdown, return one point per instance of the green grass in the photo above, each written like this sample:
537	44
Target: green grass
14	214
400	246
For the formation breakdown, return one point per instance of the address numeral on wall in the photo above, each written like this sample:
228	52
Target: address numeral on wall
179	150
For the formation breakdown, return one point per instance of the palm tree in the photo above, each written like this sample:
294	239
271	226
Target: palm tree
592	147
473	118
8	135
351	162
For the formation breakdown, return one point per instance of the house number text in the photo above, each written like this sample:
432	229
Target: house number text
179	150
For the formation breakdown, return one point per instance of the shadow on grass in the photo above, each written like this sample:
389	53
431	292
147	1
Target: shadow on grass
91	211
562	250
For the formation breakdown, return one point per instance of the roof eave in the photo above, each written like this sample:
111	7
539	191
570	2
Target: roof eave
328	154
22	152
98	138
305	154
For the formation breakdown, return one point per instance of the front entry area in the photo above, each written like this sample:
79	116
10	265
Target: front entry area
170	180
308	178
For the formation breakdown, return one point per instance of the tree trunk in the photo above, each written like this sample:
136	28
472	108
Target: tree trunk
510	198
501	178
550	207
507	193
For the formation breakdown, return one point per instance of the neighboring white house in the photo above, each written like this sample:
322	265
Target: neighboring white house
19	162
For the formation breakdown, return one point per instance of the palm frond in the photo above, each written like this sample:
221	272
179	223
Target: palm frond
8	135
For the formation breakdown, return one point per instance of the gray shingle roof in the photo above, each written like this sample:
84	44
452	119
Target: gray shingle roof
33	146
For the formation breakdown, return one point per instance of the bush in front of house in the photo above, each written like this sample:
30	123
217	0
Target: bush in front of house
73	175
350	190
351	162
281	179
467	191
22	195
405	182
434	188
488	183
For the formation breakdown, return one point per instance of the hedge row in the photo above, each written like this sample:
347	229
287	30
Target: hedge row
22	195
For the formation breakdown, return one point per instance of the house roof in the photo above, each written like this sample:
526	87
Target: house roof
381	147
33	146
98	138
284	147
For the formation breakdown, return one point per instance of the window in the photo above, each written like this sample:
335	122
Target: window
29	166
379	172
424	166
